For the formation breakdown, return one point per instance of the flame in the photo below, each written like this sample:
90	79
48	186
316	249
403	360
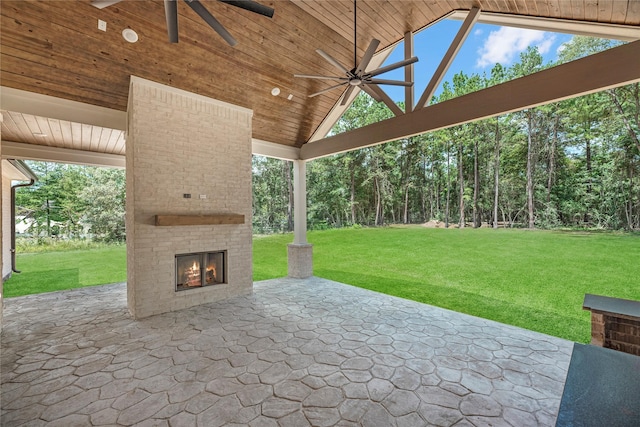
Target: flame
195	266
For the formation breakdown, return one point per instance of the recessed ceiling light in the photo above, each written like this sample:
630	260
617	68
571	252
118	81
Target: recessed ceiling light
275	91
39	134
130	35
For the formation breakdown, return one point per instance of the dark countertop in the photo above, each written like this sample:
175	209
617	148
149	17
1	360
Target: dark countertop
612	305
602	389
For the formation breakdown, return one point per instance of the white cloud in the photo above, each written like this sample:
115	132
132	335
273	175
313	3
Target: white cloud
503	45
478	32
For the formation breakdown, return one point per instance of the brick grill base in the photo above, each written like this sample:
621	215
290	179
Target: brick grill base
622	334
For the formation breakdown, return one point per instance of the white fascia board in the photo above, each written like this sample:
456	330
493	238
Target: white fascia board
17	150
582	28
36	104
276	151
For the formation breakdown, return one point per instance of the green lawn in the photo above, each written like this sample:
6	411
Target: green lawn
533	279
56	271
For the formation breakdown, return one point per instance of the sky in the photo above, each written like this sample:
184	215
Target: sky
485	46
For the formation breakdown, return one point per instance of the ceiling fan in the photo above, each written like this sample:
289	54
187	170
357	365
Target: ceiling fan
358	76
171	14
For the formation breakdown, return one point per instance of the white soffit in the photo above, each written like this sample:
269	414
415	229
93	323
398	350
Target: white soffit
582	28
17	150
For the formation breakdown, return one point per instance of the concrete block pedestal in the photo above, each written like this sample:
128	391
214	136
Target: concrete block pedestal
300	257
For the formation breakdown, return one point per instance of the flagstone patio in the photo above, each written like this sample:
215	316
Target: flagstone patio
294	353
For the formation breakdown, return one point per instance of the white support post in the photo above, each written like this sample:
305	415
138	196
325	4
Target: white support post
300	202
300	252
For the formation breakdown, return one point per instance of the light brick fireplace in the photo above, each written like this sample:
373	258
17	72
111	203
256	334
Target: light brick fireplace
188	159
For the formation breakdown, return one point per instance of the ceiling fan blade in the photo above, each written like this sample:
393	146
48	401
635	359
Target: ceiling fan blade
101	4
389	82
326	90
371	93
346	95
332	61
309	76
393	66
251	6
171	14
371	50
213	22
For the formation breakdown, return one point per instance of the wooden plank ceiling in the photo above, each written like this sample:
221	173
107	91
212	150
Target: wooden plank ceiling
55	48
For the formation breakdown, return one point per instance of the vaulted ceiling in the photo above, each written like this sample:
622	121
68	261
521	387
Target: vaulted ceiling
55	48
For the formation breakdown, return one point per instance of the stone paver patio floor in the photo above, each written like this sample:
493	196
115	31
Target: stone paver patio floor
294	353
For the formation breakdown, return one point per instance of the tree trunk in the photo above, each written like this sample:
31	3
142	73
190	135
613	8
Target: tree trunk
353	195
446	215
461	181
405	218
496	177
530	152
552	158
623	116
476	186
379	212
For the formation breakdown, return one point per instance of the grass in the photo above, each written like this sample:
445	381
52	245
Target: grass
69	269
532	279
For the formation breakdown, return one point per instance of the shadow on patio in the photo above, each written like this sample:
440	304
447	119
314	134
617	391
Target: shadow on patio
294	353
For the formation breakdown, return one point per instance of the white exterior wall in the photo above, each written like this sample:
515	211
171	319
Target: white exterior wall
6	223
178	143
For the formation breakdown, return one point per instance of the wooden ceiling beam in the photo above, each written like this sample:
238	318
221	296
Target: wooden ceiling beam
612	68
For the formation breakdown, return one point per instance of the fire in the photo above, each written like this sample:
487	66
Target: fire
195	267
211	273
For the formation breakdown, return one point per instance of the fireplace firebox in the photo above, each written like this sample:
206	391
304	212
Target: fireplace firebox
200	269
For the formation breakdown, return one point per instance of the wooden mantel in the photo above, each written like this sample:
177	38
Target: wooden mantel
216	219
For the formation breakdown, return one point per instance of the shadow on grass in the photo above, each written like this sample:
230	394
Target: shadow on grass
547	322
31	282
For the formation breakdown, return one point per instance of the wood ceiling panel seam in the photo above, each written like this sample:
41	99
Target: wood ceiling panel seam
112	143
591	10
436	7
46	130
24	130
385	14
618	12
105	134
85	143
633	13
554	8
10	130
332	12
577	10
67	136
76	135
605	8
119	148
53	131
522	7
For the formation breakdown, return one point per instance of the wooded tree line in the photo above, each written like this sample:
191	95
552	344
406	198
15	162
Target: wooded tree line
73	201
574	163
